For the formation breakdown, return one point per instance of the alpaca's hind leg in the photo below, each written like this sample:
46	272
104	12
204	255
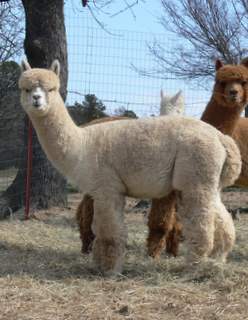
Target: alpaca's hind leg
161	221
224	235
109	228
197	213
173	238
84	216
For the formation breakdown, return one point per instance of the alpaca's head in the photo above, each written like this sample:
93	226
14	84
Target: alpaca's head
231	84
38	87
171	105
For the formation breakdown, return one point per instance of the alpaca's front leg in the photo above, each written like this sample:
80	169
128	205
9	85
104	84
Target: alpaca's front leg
109	228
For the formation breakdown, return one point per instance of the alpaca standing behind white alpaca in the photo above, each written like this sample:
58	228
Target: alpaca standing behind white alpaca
171	105
144	158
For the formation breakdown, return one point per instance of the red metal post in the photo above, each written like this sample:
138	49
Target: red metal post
29	169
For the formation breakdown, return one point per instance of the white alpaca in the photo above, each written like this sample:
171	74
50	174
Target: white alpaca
144	158
171	105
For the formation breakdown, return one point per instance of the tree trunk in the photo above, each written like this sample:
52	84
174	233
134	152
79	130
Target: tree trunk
246	112
45	40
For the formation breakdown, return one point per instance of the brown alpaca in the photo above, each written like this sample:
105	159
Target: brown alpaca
228	101
166	234
240	135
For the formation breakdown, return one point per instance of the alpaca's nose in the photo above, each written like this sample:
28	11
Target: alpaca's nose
233	92
36	96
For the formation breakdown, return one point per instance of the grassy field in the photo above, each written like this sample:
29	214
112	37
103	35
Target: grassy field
43	276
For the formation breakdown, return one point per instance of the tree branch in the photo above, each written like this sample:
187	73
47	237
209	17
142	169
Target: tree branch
207	29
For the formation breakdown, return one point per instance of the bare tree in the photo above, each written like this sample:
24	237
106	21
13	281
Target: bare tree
110	8
45	40
11	40
205	30
11	30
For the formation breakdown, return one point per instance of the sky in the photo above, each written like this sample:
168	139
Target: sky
142	17
101	62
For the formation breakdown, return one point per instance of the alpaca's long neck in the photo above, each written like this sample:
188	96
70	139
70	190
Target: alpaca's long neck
221	117
59	137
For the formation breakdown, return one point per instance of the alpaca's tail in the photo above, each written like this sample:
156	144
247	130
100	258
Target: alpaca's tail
232	165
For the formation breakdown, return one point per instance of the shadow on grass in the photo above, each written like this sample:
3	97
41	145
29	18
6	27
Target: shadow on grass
46	263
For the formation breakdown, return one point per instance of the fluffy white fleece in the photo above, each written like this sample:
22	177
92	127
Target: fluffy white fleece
144	158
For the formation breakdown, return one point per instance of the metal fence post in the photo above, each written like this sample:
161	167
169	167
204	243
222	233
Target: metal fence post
29	169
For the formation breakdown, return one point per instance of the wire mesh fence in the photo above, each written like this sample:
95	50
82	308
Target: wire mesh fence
107	65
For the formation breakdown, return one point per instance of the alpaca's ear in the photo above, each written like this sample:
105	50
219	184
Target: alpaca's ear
25	65
55	67
244	62
161	93
176	97
218	64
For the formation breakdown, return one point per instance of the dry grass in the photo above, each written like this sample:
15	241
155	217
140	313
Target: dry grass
44	276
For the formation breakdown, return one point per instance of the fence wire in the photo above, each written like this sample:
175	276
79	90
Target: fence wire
107	64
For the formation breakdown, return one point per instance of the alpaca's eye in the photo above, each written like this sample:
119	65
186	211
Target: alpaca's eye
52	89
244	83
27	90
221	83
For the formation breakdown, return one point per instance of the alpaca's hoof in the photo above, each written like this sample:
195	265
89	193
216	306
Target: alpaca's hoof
172	250
86	247
219	256
172	243
108	256
86	250
195	258
235	214
156	244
